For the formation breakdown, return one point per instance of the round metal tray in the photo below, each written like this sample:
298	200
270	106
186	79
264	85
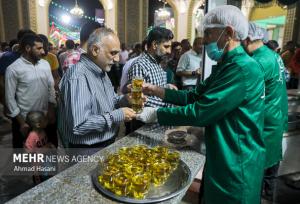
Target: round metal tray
175	184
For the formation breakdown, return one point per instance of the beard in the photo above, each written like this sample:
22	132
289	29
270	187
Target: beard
35	58
108	67
159	55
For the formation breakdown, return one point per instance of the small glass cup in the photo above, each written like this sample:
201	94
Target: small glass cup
140	185
160	173
136	99
137	82
121	183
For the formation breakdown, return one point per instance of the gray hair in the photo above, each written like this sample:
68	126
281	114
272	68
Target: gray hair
97	36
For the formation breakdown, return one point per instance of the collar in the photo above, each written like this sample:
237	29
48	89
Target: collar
28	62
90	65
236	51
195	53
150	57
82	51
260	49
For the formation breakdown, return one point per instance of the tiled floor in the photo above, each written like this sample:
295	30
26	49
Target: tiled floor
285	194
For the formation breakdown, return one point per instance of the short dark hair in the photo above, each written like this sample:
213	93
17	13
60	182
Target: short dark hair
23	32
272	44
29	39
138	46
45	42
175	44
87	29
159	35
196	40
4	45
70	44
13	42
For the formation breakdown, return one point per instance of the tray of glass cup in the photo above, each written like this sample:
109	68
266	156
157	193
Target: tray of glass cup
140	174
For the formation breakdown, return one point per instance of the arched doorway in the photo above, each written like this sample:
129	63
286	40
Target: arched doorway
162	13
196	14
65	25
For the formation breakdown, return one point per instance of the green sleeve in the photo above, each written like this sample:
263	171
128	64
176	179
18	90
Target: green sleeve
184	97
226	93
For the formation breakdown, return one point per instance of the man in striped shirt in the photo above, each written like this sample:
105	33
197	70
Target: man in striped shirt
89	109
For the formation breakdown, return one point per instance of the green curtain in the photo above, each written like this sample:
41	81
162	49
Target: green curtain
283	2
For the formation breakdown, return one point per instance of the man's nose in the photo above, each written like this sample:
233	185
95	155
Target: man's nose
116	58
168	51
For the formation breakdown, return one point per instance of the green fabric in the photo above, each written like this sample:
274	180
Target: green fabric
230	105
275	98
170	76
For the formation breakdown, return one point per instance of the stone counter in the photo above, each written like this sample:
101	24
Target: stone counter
74	185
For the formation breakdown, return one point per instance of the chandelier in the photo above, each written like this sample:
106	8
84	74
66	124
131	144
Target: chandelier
162	13
77	11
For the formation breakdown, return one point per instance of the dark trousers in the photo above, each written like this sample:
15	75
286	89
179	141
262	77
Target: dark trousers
17	137
201	191
269	180
133	126
51	131
293	83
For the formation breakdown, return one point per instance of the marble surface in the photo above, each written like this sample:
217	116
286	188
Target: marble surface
74	185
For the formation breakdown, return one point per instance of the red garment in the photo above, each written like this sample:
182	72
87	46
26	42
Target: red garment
35	140
71	59
295	62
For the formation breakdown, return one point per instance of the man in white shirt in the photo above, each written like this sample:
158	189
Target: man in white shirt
188	67
29	86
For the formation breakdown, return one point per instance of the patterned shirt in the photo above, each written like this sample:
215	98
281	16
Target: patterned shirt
87	105
72	58
148	68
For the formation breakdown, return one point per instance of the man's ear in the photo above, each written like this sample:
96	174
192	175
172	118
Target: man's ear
154	45
95	50
230	33
27	48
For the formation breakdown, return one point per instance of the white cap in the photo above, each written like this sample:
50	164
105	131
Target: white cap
227	15
257	33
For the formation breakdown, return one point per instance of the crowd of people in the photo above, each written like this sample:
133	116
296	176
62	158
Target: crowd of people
79	95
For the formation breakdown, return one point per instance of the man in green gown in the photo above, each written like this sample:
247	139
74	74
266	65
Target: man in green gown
276	103
230	105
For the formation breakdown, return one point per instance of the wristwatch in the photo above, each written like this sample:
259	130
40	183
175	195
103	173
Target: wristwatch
193	73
